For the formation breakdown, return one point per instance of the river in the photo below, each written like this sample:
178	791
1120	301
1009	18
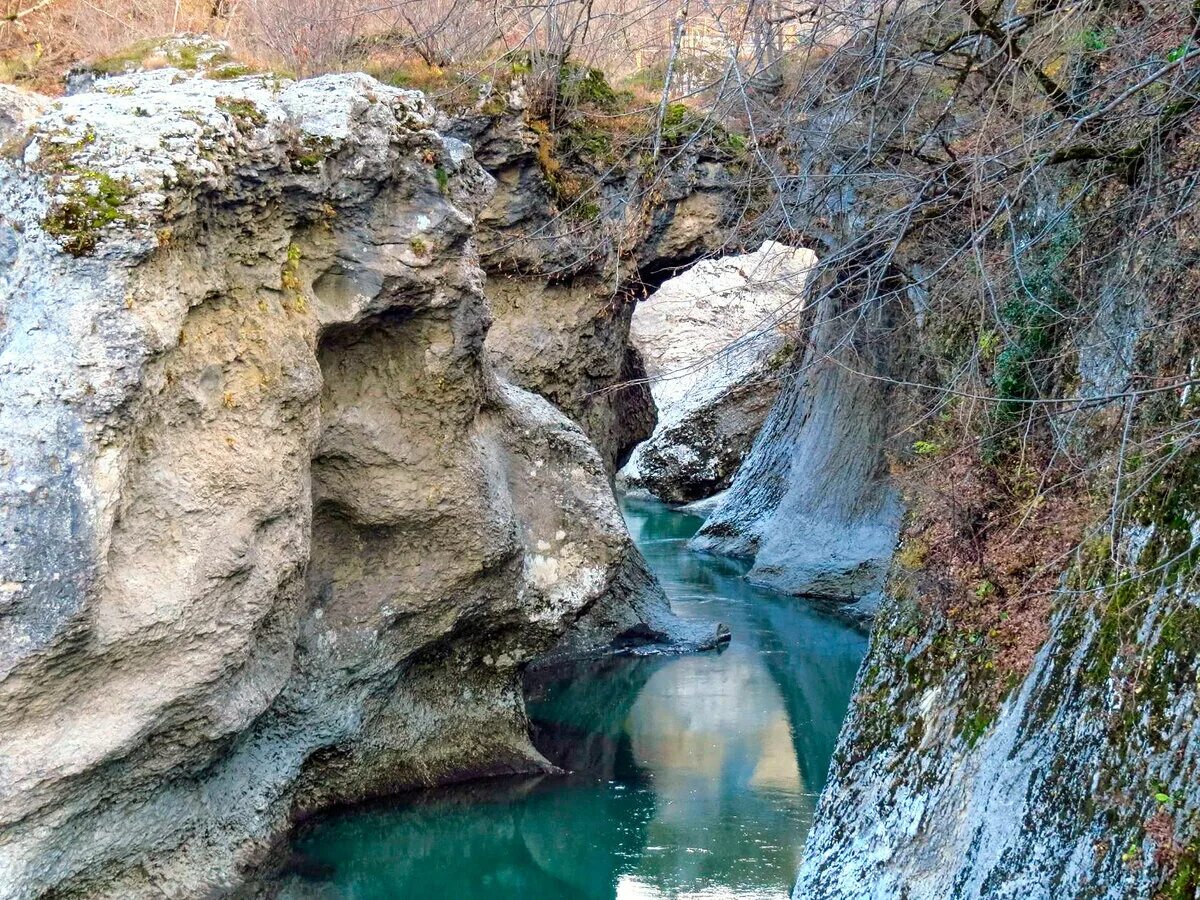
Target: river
693	776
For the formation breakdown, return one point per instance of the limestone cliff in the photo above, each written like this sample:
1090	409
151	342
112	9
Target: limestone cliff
564	272
1025	721
812	505
714	340
275	535
1081	782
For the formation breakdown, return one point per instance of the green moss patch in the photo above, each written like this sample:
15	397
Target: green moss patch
1033	317
185	55
309	151
230	71
93	202
245	113
585	86
56	156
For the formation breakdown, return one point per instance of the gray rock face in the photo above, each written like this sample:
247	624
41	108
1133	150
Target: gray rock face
274	535
563	278
17	109
713	341
812	505
1081	784
570	344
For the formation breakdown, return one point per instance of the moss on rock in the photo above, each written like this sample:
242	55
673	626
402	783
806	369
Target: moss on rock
92	201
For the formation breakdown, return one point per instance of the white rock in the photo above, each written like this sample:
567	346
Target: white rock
712	339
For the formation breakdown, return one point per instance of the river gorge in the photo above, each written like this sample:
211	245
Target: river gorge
689	776
501	489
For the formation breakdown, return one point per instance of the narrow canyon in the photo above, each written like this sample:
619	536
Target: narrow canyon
406	494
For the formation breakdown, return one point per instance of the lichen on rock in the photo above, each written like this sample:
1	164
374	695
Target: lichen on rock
17	109
1078	782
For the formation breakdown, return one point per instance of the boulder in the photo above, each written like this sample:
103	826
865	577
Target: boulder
714	342
17	109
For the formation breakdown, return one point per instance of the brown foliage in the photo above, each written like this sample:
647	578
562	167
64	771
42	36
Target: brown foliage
995	540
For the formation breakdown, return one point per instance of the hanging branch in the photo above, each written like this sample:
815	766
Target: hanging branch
20	14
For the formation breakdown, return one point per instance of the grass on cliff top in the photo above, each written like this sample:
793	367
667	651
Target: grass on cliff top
584	126
587	112
41	65
162	51
483	85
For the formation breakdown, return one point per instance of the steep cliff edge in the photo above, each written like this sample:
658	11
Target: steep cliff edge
813	505
274	535
1025	721
1080	783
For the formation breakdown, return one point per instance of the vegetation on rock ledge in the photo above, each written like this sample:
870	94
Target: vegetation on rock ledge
90	202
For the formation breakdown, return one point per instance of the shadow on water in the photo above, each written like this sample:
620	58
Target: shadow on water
693	776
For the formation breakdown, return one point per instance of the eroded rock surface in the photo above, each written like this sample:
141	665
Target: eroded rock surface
813	505
569	342
1078	782
714	341
563	276
274	535
17	109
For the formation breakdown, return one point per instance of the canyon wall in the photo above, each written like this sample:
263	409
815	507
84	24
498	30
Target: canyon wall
1027	720
276	535
1025	723
812	505
575	233
1075	779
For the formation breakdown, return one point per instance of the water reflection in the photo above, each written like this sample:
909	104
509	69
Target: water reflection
695	777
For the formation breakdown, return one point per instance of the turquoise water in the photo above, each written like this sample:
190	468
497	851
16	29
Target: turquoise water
694	776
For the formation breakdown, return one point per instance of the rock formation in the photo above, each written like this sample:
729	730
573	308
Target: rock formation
812	505
17	108
564	274
1025	723
274	534
1081	783
713	340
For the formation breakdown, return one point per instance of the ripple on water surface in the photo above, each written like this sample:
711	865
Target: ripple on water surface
695	776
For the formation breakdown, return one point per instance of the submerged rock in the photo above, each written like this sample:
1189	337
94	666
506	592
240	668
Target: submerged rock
714	342
275	535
